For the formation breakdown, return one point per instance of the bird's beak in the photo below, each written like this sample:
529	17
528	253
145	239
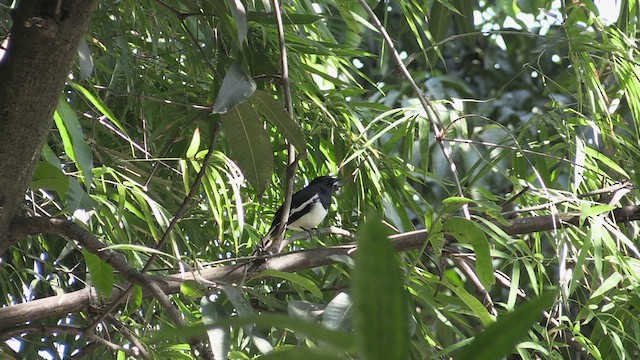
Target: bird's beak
337	184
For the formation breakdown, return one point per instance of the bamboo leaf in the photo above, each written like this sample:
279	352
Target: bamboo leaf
381	314
236	88
101	273
468	232
276	115
240	17
73	139
250	145
499	339
296	279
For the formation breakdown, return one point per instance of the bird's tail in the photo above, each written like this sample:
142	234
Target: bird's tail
264	243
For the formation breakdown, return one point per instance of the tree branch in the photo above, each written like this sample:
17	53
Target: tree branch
431	113
41	49
48	330
276	245
58	306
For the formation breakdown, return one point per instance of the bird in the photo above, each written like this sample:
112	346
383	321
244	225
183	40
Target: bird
309	207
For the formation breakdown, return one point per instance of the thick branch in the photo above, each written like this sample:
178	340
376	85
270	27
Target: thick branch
41	48
88	241
58	306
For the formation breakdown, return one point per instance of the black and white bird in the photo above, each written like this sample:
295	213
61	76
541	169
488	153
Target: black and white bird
309	207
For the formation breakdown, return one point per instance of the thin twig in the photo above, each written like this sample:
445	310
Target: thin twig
172	311
276	245
432	114
48	330
505	282
126	332
473	277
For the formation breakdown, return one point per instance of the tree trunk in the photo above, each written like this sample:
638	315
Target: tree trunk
42	45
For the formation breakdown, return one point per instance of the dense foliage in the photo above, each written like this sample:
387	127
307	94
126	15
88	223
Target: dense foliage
533	110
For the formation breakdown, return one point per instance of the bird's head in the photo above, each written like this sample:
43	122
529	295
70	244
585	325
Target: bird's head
327	182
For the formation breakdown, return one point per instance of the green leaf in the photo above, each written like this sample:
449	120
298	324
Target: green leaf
337	312
95	101
278	117
139	248
303	353
424	132
472	303
467	231
290	19
500	339
194	145
73	139
49	177
236	89
219	336
464	19
137	295
296	279
250	145
85	60
340	340
606	161
610	283
192	289
454	203
101	273
381	315
440	17
240	17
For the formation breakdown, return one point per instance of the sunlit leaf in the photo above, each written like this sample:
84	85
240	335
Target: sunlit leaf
500	339
219	336
240	17
73	139
295	279
101	273
276	115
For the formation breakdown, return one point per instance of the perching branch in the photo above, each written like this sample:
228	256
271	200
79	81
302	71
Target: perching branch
81	300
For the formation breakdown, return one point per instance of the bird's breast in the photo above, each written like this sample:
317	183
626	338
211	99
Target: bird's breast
314	212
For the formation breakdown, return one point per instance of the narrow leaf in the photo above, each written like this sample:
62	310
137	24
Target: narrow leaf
250	145
95	101
219	336
50	177
276	115
296	279
380	306
240	17
499	339
194	145
73	139
337	313
611	282
338	339
192	289
85	60
302	353
468	232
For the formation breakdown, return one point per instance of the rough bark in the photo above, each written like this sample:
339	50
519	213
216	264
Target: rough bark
42	45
